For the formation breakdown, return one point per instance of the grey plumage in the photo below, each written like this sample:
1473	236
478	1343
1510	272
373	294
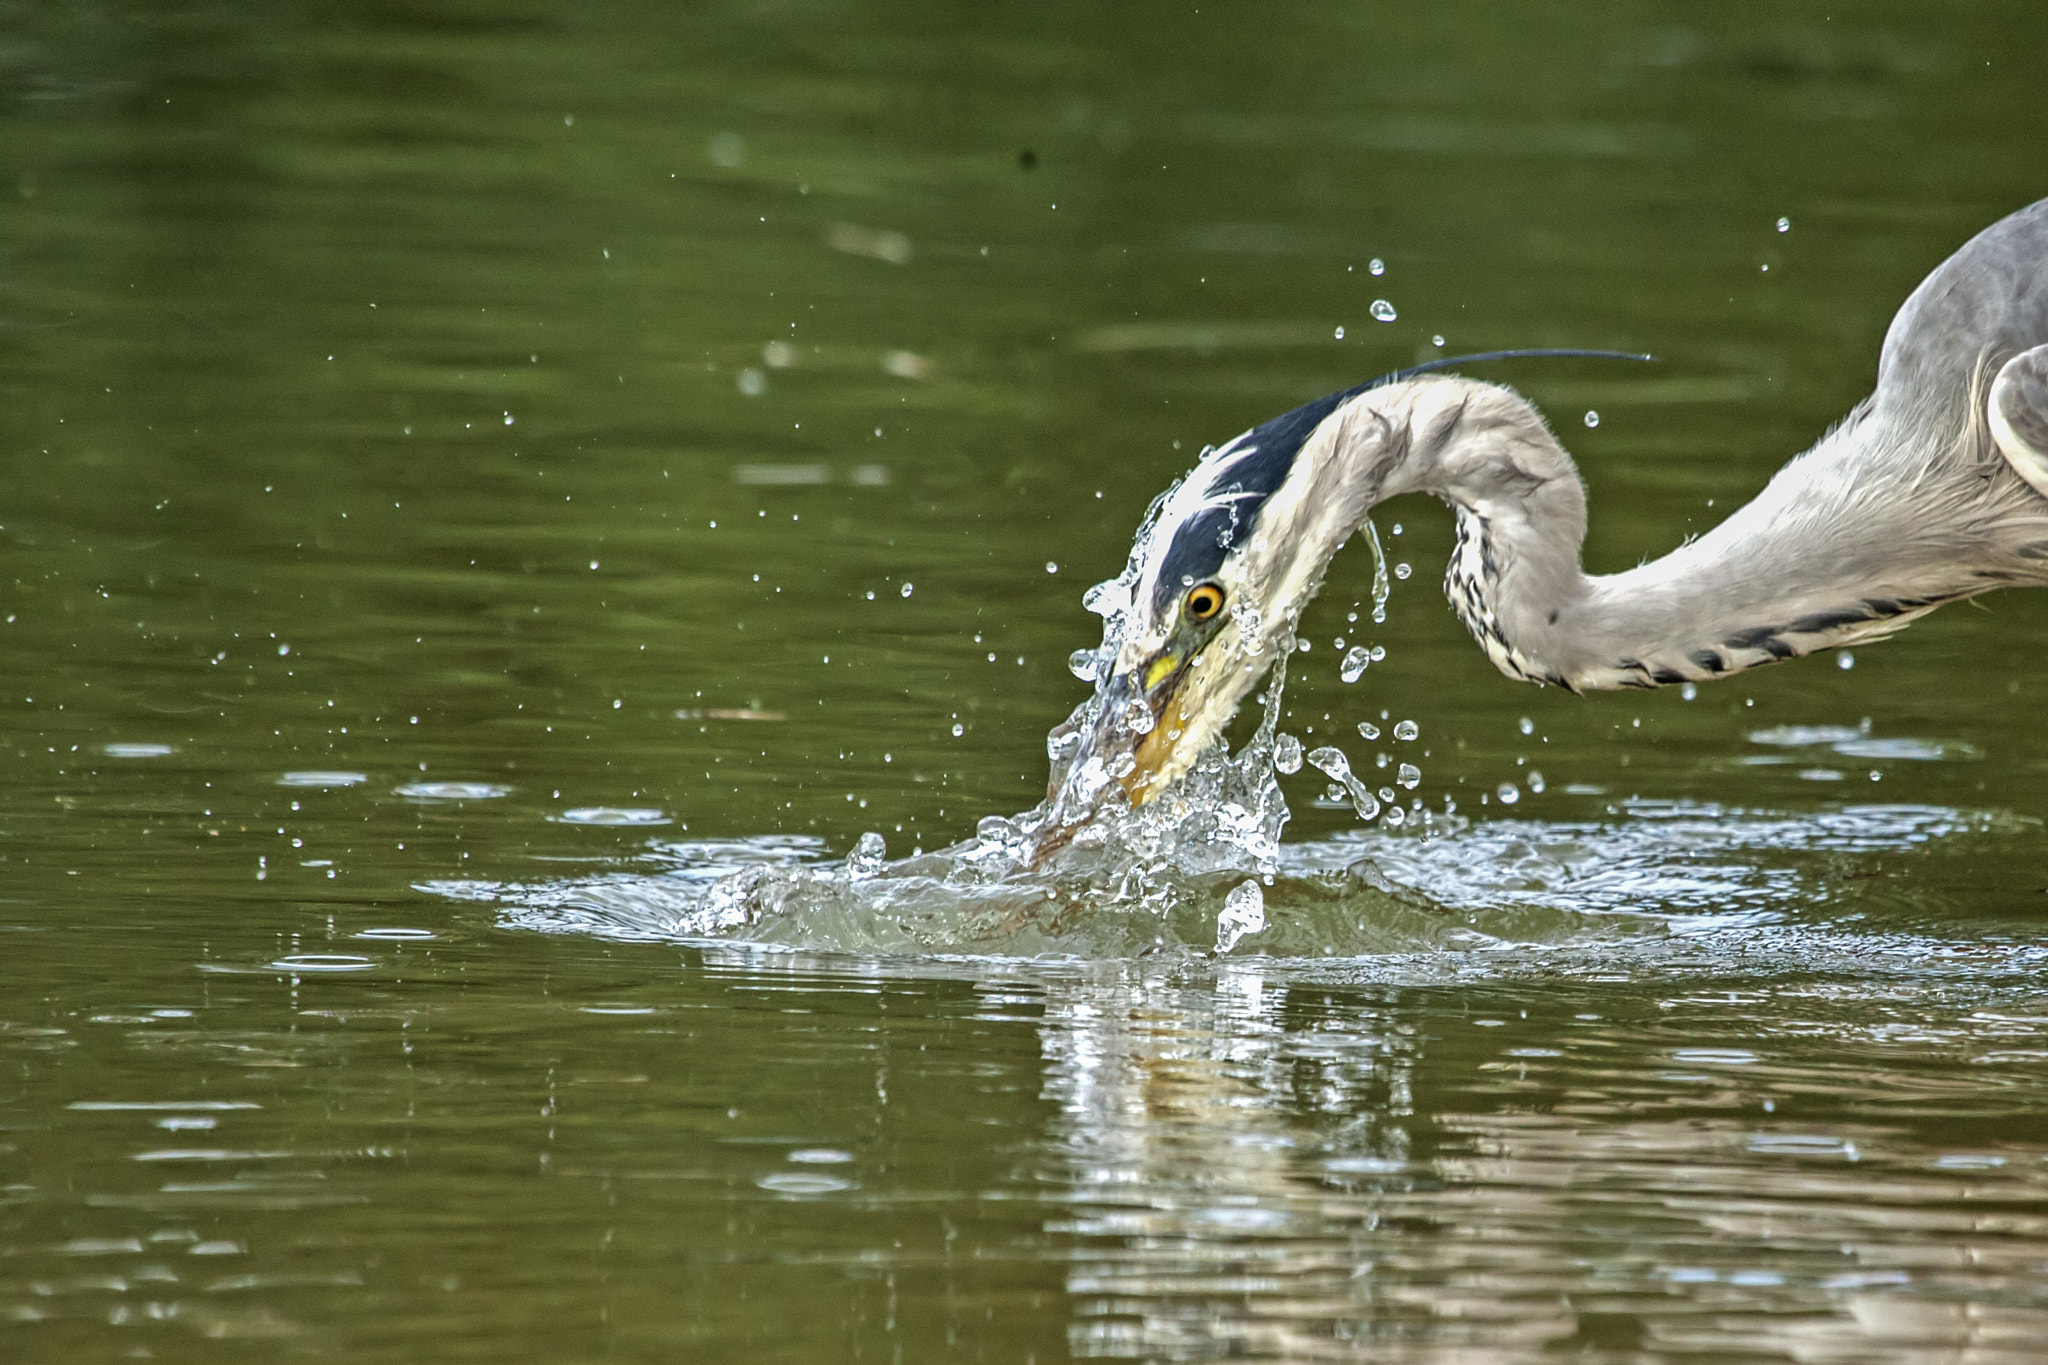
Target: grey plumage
1930	490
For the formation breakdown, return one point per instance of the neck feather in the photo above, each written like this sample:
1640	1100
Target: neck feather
1847	543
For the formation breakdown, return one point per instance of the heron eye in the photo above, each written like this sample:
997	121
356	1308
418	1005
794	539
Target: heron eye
1204	600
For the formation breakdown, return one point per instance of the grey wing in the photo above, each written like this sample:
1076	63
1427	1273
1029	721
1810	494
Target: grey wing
2017	409
1989	301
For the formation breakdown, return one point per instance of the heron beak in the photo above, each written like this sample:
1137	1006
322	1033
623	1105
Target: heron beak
1153	756
1123	739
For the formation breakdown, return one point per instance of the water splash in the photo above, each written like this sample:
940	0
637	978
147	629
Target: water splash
1243	914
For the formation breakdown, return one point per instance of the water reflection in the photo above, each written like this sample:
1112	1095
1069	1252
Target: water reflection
1267	1168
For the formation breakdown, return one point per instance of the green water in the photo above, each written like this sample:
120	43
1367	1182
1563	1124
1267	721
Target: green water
693	427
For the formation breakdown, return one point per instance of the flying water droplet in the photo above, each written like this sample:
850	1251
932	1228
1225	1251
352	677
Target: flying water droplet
1286	754
1410	776
1340	334
1402	571
1356	661
1081	663
1535	781
1689	691
1507	793
1406	729
1527	726
1331	761
1592	418
1784	225
1396	816
1381	588
1387	794
909	588
1243	913
1137	716
1382	311
1378	266
1368	729
958	729
1845	660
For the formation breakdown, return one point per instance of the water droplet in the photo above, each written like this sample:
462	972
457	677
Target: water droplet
1845	660
1403	570
1287	754
1137	716
1356	661
1406	729
1081	663
1396	816
1437	342
1378	266
1784	225
1052	566
1689	691
1243	913
1368	729
1331	761
1409	776
1382	311
908	588
1592	418
1535	780
1507	793
958	730
752	383
1526	726
1340	334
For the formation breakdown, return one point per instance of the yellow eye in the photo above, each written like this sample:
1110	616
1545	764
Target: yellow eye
1204	600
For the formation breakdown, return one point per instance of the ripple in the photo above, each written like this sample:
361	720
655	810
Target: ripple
396	935
1913	750
790	1182
426	792
321	778
612	815
323	962
137	750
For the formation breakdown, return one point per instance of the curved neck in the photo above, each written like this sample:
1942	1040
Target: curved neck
1835	550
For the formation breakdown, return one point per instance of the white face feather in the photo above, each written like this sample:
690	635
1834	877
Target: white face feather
1204	489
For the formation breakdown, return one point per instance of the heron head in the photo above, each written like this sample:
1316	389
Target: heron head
1220	573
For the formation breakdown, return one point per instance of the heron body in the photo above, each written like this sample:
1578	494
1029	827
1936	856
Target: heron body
1932	489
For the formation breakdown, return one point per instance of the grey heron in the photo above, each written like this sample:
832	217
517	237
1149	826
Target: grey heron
1932	489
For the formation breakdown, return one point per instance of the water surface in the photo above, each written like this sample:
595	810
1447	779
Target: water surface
473	477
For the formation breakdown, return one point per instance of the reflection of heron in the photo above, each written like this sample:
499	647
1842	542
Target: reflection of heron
1931	490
